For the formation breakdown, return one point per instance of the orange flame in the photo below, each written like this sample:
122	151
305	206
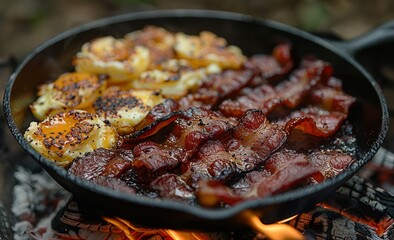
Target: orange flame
277	231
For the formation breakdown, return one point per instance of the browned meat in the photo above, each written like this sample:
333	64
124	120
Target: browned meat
212	161
314	121
102	162
171	186
255	139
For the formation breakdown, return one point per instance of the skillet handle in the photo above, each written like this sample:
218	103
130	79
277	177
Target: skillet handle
379	35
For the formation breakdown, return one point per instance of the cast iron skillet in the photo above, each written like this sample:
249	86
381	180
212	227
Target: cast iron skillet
370	118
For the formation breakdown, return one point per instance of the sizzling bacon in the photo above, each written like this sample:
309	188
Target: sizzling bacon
204	97
152	128
286	168
255	139
102	162
293	91
271	67
171	186
104	167
314	121
159	111
216	88
332	99
215	145
229	82
330	163
152	159
197	126
212	161
289	93
263	97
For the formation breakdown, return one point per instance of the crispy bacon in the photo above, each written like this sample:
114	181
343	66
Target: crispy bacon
216	146
332	99
314	121
229	82
204	97
197	126
216	88
255	139
102	162
287	169
289	93
263	97
158	112
152	128
104	167
171	186
271	67
330	163
152	159
293	91
212	161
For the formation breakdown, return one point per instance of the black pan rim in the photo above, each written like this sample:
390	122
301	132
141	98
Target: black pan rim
213	214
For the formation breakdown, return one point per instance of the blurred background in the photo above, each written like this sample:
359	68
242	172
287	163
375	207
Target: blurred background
25	24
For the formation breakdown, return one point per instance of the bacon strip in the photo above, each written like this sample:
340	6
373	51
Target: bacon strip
212	161
102	162
314	121
197	126
287	170
332	99
216	88
293	91
152	128
171	186
330	163
255	139
162	110
152	159
263	97
289	93
271	67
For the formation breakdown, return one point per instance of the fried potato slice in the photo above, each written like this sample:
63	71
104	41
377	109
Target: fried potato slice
174	78
114	57
159	41
124	109
76	90
206	49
